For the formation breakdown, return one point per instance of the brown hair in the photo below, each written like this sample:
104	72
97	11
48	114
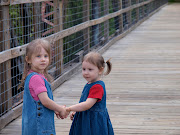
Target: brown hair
97	60
34	47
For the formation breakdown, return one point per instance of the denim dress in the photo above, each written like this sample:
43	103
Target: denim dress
36	119
94	121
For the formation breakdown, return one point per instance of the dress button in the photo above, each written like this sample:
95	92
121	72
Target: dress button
39	108
39	114
39	103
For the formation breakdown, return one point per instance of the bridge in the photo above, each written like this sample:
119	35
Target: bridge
143	89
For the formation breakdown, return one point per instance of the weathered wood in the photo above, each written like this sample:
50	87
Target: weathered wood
14	2
58	45
17	51
86	31
11	115
37	19
1	65
106	23
6	29
95	6
4	2
61	40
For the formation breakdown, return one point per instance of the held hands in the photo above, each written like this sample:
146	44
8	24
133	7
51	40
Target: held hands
72	114
57	114
63	114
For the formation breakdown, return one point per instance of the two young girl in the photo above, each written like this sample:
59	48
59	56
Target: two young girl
90	116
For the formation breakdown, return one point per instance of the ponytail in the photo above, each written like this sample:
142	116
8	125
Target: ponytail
109	67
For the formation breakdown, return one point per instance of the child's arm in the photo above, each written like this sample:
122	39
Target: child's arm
83	106
50	104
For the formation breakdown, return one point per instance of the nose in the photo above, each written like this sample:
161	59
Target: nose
85	72
43	58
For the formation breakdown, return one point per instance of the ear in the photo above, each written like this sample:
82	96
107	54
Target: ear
101	70
27	60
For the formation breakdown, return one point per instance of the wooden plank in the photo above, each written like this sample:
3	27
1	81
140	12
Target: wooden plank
86	31
4	2
8	85
1	65
11	115
37	19
15	2
106	23
58	45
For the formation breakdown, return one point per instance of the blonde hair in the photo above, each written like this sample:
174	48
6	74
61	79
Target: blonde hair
34	47
97	60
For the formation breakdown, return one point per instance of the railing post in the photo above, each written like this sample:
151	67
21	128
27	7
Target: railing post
116	6
2	89
129	15
37	19
95	28
106	23
7	71
120	18
86	32
137	11
58	21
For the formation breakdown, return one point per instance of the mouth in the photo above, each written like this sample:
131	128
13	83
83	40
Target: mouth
87	78
44	64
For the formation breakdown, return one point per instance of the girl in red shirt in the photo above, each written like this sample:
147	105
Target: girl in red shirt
91	117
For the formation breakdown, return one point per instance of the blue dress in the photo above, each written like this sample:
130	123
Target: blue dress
94	121
36	119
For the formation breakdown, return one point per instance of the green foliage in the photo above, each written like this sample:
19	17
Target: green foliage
15	21
112	29
72	44
174	1
74	14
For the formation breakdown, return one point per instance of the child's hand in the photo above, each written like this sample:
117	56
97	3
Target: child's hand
57	114
68	109
72	115
64	113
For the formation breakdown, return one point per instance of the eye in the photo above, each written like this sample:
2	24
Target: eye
38	56
83	69
46	56
90	69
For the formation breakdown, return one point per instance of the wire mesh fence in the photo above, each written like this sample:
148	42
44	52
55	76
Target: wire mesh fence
24	22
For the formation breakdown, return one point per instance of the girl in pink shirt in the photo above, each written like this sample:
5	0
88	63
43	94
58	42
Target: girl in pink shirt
38	104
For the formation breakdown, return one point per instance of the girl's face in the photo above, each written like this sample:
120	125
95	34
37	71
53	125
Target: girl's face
39	61
91	72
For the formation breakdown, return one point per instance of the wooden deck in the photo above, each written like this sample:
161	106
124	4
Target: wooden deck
143	89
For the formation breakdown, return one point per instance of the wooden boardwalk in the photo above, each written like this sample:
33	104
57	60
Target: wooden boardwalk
143	89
